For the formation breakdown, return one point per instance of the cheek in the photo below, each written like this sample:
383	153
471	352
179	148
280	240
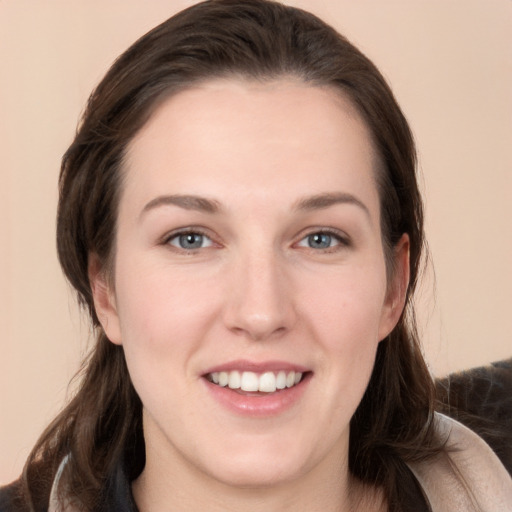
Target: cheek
162	313
346	322
164	320
350	305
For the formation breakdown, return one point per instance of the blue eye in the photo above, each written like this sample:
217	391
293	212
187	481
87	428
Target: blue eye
190	241
321	240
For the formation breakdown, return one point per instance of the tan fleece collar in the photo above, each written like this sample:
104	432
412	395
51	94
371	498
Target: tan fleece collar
467	477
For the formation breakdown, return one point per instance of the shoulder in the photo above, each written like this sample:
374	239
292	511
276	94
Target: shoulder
473	472
481	399
11	498
467	475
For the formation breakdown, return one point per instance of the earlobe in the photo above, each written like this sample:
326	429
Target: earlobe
104	300
397	287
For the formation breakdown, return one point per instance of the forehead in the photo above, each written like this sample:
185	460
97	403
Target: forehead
255	137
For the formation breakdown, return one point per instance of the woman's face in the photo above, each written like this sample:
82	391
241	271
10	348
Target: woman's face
250	289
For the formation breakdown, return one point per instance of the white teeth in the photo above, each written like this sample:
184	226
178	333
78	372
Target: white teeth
249	381
267	382
281	380
223	379
234	380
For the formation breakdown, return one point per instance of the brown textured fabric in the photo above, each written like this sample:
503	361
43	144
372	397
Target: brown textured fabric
11	498
481	399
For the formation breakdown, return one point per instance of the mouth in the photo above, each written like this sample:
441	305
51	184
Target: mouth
254	382
258	389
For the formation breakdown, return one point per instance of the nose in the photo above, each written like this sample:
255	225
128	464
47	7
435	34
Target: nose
259	303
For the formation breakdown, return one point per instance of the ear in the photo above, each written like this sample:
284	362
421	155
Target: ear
397	288
104	300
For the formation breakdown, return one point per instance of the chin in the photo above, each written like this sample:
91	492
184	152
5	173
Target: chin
259	467
253	476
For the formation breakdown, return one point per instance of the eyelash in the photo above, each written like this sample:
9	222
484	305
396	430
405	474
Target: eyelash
184	233
340	239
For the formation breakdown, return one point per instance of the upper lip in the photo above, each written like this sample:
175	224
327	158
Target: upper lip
243	365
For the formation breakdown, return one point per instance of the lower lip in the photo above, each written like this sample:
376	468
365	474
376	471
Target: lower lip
261	404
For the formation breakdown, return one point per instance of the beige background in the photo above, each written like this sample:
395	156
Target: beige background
450	65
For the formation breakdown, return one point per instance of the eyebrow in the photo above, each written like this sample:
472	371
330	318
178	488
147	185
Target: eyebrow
202	204
325	200
187	202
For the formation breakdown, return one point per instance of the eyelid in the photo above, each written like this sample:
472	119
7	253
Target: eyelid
197	230
340	236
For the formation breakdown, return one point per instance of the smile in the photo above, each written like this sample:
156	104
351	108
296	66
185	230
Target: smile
267	382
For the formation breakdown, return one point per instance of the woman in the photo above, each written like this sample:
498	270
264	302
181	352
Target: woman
240	215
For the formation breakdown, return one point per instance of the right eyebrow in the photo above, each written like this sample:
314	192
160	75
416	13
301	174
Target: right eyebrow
325	200
187	202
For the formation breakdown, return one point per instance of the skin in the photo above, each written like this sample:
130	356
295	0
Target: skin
254	290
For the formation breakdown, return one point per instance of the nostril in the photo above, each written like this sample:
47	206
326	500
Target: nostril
258	327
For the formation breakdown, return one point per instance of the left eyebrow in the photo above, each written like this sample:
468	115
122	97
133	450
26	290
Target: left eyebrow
325	200
187	202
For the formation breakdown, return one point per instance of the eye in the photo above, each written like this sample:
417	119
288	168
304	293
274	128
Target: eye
189	241
322	240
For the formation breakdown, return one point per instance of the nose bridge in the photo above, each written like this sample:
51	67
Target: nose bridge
260	299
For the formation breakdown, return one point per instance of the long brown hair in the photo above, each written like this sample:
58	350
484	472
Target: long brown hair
260	40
